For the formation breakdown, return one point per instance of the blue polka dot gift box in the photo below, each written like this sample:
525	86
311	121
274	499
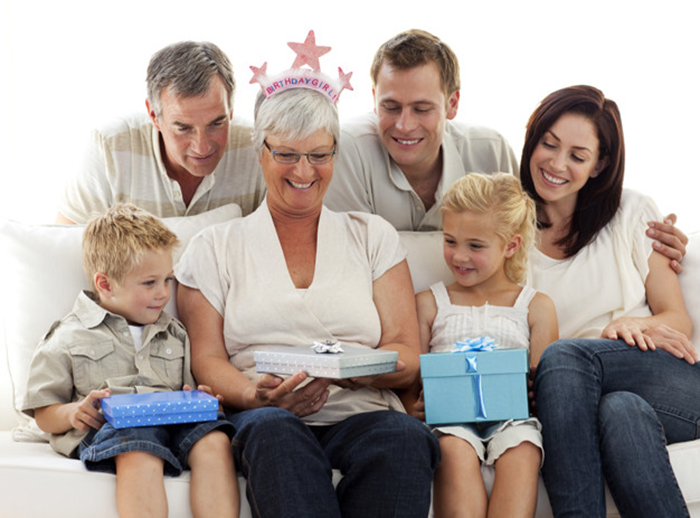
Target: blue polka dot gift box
159	408
475	386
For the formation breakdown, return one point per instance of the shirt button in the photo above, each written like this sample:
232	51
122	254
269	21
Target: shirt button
140	356
168	351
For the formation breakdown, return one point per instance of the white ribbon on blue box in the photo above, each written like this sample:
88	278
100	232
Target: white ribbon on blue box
159	408
475	386
350	362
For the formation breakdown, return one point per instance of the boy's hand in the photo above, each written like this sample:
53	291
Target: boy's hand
208	390
86	415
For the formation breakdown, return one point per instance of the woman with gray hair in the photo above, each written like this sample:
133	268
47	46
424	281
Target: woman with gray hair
291	274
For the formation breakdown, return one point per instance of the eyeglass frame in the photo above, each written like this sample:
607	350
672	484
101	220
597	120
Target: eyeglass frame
298	155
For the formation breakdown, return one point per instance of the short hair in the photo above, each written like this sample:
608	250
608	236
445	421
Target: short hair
115	243
293	114
598	200
514	212
414	48
188	68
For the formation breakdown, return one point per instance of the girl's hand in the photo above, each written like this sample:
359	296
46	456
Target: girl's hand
633	331
272	390
86	415
418	409
531	396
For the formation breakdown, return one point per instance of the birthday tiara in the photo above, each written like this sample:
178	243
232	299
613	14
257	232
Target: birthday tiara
298	77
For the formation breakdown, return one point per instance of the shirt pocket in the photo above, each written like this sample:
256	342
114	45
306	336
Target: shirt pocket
167	361
93	364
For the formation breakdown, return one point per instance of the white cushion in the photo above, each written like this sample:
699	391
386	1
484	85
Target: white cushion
425	259
41	276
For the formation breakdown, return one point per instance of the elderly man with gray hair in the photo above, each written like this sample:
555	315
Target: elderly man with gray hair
185	156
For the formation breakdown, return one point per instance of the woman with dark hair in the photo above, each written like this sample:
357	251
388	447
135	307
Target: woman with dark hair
623	380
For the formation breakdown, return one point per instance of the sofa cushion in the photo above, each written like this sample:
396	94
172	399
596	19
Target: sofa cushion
42	275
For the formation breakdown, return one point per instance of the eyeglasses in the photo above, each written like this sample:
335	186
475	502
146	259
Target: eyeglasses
292	157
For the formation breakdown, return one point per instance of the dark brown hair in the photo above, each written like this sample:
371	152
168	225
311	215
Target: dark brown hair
599	199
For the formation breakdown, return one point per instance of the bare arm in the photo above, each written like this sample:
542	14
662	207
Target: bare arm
210	365
83	415
669	327
670	241
395	302
412	398
544	326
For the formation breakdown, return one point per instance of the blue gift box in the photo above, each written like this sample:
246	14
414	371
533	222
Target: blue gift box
472	387
159	408
351	363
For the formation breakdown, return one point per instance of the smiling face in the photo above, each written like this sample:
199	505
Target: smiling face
143	293
297	189
564	159
194	130
473	251
412	109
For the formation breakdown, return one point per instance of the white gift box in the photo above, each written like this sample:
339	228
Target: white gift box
352	362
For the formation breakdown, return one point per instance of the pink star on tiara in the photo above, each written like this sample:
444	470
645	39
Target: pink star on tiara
308	52
344	79
258	73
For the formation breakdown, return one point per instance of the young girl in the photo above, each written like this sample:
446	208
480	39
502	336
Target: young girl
489	227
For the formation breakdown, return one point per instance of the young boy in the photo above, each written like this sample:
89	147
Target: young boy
117	339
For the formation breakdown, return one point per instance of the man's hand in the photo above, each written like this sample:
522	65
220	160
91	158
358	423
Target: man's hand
670	241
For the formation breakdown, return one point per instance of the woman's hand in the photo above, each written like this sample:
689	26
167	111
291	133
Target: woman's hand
673	342
363	381
631	330
635	331
272	390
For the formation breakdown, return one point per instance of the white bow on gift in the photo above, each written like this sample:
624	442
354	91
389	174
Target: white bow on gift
327	347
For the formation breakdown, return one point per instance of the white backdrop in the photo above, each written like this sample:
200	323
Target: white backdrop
69	65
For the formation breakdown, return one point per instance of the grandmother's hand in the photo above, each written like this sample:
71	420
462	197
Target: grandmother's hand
272	390
364	381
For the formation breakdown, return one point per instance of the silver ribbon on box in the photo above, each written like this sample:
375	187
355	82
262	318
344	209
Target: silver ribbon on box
327	347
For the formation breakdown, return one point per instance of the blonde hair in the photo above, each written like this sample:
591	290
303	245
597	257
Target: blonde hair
514	212
116	242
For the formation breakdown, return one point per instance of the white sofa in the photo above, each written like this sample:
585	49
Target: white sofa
40	275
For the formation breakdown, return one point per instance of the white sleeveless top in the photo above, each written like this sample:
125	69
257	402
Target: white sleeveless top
508	326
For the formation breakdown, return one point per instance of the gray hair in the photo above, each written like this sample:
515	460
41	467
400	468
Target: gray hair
293	114
188	67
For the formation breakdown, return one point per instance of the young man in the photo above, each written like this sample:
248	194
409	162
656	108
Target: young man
399	161
117	339
185	156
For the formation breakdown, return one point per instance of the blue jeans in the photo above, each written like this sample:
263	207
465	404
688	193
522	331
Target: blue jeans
387	460
607	410
172	443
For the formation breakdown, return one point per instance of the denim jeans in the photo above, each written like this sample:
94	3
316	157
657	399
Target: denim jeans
387	460
607	410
